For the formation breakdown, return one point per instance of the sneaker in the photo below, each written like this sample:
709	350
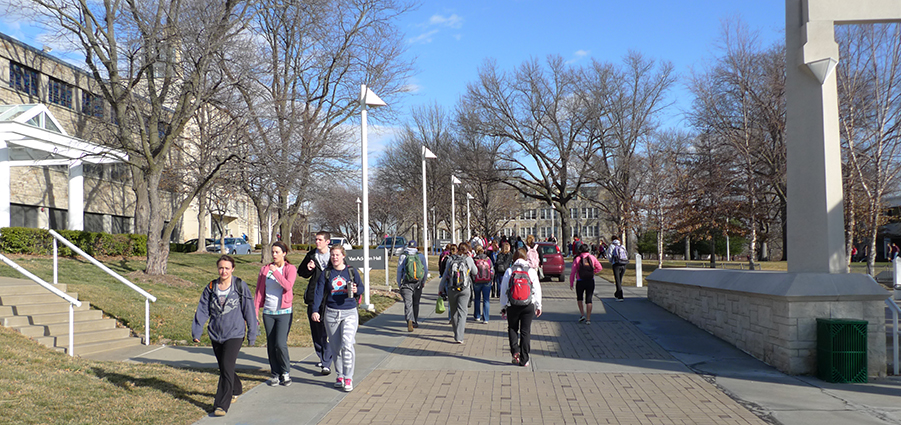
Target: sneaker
348	385
219	412
582	319
409	326
234	399
319	364
459	342
515	358
619	300
526	364
273	381
325	371
339	383
286	380
415	324
588	322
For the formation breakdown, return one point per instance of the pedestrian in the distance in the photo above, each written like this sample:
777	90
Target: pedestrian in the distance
412	273
503	262
275	295
584	267
521	298
228	305
481	288
457	286
618	257
337	288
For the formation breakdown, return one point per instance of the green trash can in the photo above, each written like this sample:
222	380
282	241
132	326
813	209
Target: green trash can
842	350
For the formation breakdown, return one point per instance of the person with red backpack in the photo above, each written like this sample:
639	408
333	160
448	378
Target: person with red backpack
481	288
521	298
585	266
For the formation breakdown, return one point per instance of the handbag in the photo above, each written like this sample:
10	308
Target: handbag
439	306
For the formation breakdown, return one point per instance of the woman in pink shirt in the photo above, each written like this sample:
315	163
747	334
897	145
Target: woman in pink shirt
275	295
585	266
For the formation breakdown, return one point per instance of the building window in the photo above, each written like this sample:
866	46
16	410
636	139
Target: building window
23	79
573	213
528	215
93	222
91	104
59	219
121	224
59	93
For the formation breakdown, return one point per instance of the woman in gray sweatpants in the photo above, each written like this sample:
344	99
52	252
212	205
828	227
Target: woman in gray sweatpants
458	299
337	288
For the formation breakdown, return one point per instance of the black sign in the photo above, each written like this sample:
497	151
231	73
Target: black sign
377	257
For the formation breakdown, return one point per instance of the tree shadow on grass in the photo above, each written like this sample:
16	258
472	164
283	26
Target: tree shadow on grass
129	382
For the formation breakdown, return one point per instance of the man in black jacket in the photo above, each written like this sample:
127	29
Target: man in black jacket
311	267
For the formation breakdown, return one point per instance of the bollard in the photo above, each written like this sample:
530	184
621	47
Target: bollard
638	270
896	278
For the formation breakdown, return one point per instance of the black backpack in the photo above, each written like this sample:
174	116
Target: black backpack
586	268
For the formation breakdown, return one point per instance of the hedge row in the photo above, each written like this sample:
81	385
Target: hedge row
27	240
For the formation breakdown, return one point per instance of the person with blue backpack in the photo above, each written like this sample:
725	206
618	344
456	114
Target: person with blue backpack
619	257
456	285
521	298
412	273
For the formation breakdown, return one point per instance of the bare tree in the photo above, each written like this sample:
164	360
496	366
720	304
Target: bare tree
869	86
152	65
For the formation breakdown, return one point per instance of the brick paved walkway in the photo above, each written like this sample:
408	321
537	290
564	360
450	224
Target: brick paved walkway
475	383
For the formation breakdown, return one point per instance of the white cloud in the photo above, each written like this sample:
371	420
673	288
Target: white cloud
578	55
452	21
424	38
412	88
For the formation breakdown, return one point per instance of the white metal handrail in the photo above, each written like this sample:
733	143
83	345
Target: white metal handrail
72	301
145	294
895	312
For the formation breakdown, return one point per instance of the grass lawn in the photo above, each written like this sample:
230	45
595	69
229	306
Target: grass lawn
177	292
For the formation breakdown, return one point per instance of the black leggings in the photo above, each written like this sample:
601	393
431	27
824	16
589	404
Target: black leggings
586	287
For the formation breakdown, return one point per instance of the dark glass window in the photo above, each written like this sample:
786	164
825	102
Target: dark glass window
59	219
23	79
93	222
91	104
59	93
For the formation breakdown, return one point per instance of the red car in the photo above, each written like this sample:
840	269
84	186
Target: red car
552	260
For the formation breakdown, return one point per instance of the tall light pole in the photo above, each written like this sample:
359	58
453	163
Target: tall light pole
367	99
426	154
359	230
454	181
468	221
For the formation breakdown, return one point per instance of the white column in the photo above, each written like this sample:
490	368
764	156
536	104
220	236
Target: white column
453	219
5	181
366	304
76	195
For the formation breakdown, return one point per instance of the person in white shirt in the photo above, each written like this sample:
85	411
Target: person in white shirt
521	298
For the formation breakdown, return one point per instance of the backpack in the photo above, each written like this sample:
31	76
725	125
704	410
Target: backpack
459	273
413	269
586	268
519	291
619	255
483	270
532	253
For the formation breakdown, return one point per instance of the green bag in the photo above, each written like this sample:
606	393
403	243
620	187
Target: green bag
439	306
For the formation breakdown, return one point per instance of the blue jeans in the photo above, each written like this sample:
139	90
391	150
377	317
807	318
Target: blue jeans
482	296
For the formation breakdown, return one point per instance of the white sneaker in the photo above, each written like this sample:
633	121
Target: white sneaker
273	381
348	385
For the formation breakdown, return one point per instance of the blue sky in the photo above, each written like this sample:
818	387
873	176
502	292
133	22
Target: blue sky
450	40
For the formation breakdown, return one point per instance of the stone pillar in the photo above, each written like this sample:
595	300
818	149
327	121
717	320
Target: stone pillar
76	196
4	185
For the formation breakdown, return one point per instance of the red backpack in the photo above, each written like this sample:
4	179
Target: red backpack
519	291
483	270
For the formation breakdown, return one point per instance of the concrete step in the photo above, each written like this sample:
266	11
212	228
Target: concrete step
98	347
80	326
88	337
51	318
49	307
26	289
6	311
24	299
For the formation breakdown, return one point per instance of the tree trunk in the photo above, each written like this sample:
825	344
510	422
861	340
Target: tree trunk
712	252
873	230
201	221
157	248
142	202
660	247
687	248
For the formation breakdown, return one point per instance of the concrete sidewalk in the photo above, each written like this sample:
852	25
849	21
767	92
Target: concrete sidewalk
636	363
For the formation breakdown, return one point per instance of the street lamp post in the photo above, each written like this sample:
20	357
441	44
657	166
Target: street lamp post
468	220
426	154
367	99
454	181
359	238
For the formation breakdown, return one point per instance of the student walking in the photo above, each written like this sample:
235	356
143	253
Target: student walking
521	298
619	257
412	273
337	288
275	295
481	288
503	262
317	260
228	305
457	286
584	267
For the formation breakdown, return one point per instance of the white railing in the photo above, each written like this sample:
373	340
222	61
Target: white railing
72	301
145	294
895	312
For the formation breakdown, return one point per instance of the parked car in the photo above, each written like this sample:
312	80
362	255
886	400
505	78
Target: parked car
191	244
235	246
340	241
553	264
394	244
